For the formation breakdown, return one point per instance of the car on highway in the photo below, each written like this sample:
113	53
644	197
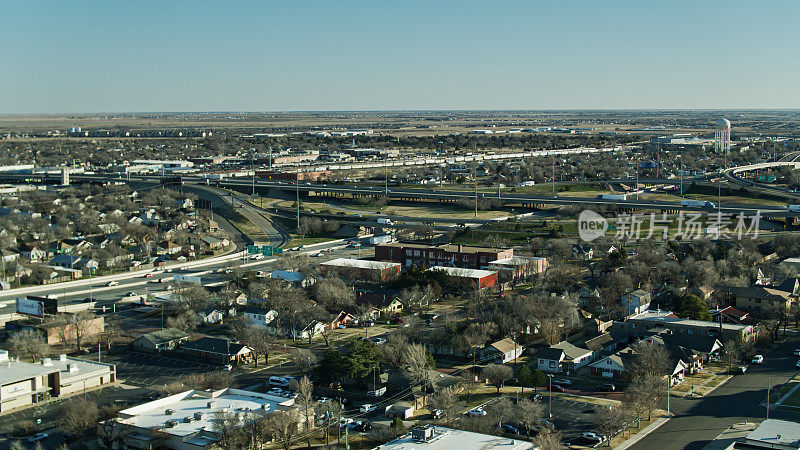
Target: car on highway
112	283
758	359
148	275
476	412
606	388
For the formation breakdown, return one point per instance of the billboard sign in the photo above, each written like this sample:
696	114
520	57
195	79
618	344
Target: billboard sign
36	306
187	279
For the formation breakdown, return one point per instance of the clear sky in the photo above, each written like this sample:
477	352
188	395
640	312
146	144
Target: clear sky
195	55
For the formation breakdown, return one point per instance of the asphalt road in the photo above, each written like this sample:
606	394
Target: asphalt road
698	421
69	295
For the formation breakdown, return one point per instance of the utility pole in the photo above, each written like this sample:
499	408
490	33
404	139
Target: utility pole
637	179
550	396
554	172
476	191
681	173
386	178
769	386
297	196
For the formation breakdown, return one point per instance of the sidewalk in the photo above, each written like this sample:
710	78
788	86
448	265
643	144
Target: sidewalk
640	435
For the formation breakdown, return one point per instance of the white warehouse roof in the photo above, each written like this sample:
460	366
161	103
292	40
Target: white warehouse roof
360	263
463	273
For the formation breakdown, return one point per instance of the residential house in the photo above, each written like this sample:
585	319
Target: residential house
32	252
618	365
730	314
260	317
216	350
215	243
501	352
341	320
294	278
168	248
635	302
562	357
382	301
160	341
760	298
211	315
73	262
581	251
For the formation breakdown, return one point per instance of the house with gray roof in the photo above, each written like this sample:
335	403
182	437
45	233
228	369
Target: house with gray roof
562	357
159	341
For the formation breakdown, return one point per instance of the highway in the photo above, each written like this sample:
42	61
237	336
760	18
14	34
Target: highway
698	421
75	292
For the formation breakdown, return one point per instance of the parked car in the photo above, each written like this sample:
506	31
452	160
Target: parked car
556	388
363	426
437	414
38	437
476	412
758	359
323	400
607	388
378	340
509	429
593	436
563	382
796	352
344	422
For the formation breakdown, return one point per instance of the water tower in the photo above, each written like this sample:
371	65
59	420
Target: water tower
722	138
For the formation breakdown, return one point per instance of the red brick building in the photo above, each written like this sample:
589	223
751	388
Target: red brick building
448	255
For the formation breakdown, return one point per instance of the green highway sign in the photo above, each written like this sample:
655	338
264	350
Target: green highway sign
252	249
266	250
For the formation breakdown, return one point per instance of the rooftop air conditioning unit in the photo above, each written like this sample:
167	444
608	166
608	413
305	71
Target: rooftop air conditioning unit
72	367
172	423
62	357
423	434
47	362
210	405
198	415
187	419
169	412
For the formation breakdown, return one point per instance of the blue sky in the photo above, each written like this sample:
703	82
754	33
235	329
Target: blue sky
87	56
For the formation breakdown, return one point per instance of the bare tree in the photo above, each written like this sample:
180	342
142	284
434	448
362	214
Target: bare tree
548	440
304	359
528	412
78	415
446	400
393	350
497	374
258	339
305	403
27	344
417	358
82	322
500	411
282	426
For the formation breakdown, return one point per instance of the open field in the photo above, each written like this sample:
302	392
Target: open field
423	210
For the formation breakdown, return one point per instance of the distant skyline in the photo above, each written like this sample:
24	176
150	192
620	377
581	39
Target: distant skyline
148	56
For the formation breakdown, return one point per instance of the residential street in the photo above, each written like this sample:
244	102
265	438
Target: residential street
697	422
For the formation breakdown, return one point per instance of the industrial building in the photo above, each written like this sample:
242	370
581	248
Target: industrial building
23	384
363	269
474	278
186	420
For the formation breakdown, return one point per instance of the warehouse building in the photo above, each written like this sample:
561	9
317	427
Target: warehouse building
362	269
411	254
475	279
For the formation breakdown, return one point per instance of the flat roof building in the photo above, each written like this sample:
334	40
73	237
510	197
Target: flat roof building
640	324
477	279
432	437
369	270
23	384
187	420
453	255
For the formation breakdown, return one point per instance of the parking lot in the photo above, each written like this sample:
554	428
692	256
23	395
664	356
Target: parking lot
144	369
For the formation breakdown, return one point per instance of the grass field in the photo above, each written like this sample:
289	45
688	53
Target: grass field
243	224
422	210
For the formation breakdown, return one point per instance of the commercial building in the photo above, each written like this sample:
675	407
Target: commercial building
473	278
23	384
772	434
293	176
186	421
59	329
362	269
431	437
640	325
451	255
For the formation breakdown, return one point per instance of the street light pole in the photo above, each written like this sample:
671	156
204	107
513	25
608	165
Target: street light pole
476	191
550	396
297	196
